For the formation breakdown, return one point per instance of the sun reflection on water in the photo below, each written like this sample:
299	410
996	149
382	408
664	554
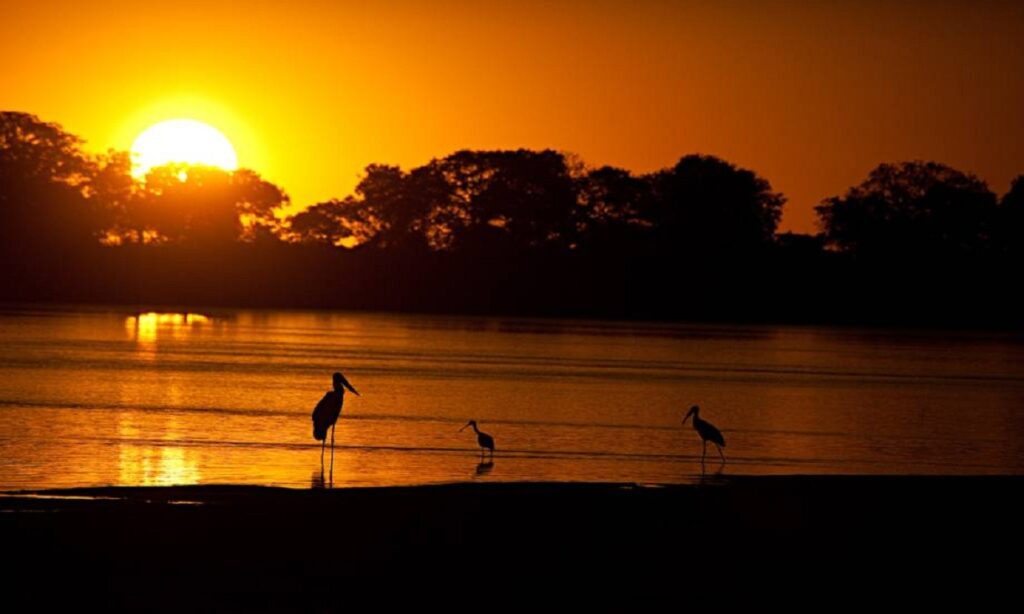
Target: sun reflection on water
154	464
95	398
146	328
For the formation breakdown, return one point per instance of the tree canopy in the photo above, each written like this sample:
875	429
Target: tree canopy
912	211
56	196
500	230
202	205
44	177
487	201
1010	226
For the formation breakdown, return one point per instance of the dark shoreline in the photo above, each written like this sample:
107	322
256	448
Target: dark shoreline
743	539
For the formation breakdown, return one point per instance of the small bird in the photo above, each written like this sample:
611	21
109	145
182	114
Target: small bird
327	411
483	439
707	432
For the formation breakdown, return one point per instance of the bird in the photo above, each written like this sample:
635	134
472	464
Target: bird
707	432
483	439
326	413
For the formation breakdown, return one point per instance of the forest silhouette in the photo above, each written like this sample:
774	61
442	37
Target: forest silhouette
518	232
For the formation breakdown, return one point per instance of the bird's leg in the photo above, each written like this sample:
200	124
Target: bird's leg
704	452
332	443
720	453
323	443
332	453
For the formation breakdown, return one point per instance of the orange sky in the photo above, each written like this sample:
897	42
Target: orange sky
811	95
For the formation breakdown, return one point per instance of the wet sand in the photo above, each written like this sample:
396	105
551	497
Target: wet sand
755	540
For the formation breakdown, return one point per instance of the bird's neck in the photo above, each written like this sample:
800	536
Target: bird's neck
476	430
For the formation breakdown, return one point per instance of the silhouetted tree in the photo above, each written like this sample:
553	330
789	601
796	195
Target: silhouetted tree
505	198
204	205
613	202
911	210
257	202
33	149
468	201
392	207
518	231
804	245
1010	227
705	204
390	210
43	180
112	185
493	202
324	223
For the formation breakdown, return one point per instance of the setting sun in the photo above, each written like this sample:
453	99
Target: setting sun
182	140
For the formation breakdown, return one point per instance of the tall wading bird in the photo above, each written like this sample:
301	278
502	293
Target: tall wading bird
483	439
326	414
707	432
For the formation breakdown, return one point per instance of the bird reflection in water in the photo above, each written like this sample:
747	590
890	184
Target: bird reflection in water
714	477
484	467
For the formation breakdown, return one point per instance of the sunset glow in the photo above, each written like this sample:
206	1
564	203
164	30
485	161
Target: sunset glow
659	303
810	95
182	140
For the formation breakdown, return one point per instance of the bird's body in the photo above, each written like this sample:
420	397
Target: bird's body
707	431
484	440
327	411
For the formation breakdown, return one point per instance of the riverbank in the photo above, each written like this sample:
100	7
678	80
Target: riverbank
741	539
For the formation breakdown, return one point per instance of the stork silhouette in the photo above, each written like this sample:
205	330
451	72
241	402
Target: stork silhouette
707	432
326	413
482	439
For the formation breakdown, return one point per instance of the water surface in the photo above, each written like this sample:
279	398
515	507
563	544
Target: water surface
107	396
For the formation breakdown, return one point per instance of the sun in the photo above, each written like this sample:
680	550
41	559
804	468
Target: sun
182	140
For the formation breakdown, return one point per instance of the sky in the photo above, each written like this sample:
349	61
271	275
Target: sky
811	95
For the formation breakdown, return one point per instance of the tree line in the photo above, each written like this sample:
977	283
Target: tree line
517	231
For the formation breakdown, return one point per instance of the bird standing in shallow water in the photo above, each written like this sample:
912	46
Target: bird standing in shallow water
326	414
707	432
483	439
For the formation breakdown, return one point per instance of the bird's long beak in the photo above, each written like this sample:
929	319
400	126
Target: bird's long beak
345	383
464	427
687	417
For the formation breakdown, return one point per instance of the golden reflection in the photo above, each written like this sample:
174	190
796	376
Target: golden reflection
140	463
177	467
146	328
156	466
